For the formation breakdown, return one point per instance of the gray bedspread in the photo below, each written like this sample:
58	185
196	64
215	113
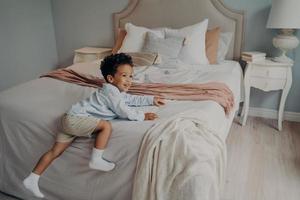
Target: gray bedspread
30	119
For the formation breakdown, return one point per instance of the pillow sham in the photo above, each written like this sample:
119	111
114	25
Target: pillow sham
168	47
134	39
193	51
224	44
211	44
144	58
119	41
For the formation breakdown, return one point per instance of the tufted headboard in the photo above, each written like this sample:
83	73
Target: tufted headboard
180	13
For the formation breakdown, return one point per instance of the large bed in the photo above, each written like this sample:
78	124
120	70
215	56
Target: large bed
30	116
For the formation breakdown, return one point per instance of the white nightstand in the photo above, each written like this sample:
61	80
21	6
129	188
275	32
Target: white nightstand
87	54
267	75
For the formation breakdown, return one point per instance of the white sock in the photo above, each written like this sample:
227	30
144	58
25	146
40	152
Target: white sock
97	162
31	184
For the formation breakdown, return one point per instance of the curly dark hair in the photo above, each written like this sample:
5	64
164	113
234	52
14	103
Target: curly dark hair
110	64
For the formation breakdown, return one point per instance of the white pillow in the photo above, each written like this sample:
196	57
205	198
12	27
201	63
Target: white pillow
224	44
193	51
135	37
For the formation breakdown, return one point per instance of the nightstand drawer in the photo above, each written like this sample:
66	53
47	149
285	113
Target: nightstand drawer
84	57
269	72
267	84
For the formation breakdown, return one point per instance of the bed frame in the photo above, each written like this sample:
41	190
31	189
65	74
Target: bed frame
180	13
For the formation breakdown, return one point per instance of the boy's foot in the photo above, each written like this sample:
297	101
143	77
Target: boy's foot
101	164
31	184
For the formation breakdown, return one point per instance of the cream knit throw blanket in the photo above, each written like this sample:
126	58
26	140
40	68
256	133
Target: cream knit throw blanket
180	159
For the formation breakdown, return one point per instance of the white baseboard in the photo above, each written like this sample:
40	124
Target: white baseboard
273	114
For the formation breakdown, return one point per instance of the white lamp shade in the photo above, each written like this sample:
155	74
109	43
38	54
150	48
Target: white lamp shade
284	14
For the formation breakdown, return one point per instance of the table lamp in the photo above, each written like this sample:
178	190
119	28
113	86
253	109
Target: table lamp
285	15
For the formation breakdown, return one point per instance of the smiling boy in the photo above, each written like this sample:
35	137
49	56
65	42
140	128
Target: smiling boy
92	115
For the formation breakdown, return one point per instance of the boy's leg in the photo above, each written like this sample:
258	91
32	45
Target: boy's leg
103	133
57	149
31	182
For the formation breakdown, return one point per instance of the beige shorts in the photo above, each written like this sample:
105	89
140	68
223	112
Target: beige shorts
76	126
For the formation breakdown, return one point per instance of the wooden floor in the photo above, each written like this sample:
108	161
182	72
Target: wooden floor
263	163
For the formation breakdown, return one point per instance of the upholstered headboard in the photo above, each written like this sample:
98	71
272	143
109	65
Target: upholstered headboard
180	13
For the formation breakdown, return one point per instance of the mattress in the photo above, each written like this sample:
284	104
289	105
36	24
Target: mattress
30	119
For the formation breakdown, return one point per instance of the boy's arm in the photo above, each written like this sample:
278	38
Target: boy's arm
138	100
119	107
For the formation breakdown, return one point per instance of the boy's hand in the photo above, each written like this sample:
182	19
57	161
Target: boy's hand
158	101
150	116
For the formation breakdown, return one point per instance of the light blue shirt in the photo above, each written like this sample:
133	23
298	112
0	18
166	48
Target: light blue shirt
109	103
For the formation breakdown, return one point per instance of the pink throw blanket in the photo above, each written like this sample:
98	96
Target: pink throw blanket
214	91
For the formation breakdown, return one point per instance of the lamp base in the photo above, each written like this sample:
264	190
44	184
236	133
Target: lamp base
285	41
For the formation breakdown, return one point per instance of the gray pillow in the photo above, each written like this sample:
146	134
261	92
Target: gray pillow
167	47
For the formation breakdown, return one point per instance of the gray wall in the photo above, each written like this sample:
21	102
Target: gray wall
83	23
27	40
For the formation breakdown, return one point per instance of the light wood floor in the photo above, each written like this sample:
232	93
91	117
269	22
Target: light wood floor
263	163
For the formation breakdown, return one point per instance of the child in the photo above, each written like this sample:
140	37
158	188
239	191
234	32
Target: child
90	116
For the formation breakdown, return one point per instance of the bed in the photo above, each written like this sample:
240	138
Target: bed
30	117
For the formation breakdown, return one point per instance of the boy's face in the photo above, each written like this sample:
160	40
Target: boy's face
123	78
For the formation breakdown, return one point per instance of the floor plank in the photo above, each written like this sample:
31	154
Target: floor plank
263	163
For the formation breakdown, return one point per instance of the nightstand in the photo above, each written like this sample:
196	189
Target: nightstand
87	54
267	75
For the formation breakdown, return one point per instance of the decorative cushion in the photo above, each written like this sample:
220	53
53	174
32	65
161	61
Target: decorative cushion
211	44
144	58
193	51
119	41
223	42
135	37
168	47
